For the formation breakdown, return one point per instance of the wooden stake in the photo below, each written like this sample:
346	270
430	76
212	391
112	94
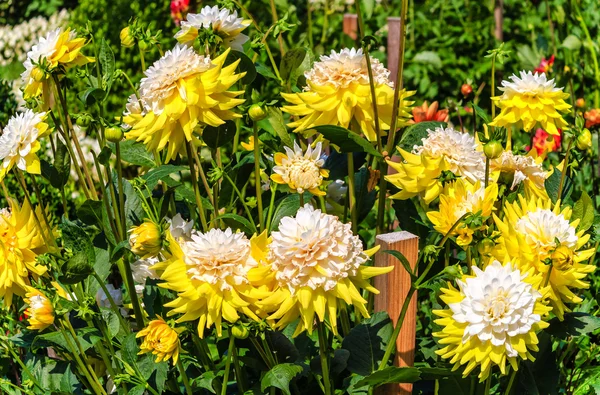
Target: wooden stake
393	46
393	289
351	25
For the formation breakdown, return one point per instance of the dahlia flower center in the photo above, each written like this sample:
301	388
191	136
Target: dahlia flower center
304	174
37	302
542	228
497	307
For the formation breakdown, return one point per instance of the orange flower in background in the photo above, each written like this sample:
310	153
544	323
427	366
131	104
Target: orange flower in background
427	112
592	118
545	65
543	144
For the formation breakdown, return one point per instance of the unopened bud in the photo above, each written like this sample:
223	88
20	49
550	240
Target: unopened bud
256	112
485	247
580	103
466	89
584	140
493	149
127	39
240	332
114	134
38	74
562	258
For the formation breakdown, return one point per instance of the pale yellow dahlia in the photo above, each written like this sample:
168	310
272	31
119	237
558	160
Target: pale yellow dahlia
20	244
182	90
58	49
161	340
39	312
444	149
529	101
301	171
222	22
19	142
319	265
491	319
459	198
210	273
146	239
338	92
531	230
526	169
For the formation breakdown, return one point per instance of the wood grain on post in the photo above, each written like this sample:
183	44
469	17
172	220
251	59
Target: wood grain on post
393	46
351	25
393	289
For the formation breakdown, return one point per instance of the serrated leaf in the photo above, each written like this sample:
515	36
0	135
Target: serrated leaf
415	134
574	324
391	374
135	153
280	377
367	343
265	71
552	184
87	337
584	211
160	173
346	140
291	61
275	125
90	212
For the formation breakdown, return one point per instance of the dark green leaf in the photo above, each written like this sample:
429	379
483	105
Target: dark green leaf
102	268
59	172
346	140
80	265
216	137
552	185
399	256
482	114
87	337
135	153
584	211
391	374
367	342
574	324
90	212
415	134
106	57
291	61
287	208
238	222
129	349
280	377
91	96
245	65
206	381
265	71
275	125
160	173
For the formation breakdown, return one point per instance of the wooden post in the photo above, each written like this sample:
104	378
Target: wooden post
350	25
393	46
393	289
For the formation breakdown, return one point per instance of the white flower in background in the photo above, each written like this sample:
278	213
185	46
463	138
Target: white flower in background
497	306
529	83
524	167
180	228
222	22
117	296
543	228
459	150
141	271
315	250
337	190
301	171
343	68
218	257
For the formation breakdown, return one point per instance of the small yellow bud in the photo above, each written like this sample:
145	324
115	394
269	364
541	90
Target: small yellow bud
113	134
146	240
38	74
239	332
584	140
562	258
493	149
485	247
256	112
126	39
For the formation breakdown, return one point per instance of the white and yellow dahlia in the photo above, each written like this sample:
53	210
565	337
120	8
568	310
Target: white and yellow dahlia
526	169
222	22
460	197
57	49
319	265
531	231
338	92
19	142
181	91
301	171
444	149
491	319
210	273
529	101
39	312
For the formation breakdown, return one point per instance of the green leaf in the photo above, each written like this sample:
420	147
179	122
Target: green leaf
584	211
367	343
275	125
415	134
129	349
238	222
482	114
571	42
291	61
391	374
287	208
160	173
59	172
87	337
552	184
265	71
91	96
216	137
368	6
280	377
90	212
112	321
429	57
106	57
102	267
206	381
76	239
245	65
134	210
346	140
135	153
574	324
399	256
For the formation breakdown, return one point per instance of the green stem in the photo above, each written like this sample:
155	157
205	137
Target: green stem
259	202
511	381
488	384
275	20
228	363
120	189
565	169
235	188
352	193
271	205
487	171
547	279
324	354
591	47
239	373
112	303
25	369
142	59
125	269
184	377
194	180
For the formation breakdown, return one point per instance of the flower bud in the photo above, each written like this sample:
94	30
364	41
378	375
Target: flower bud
256	112
143	45
39	312
584	140
127	39
493	149
114	134
239	332
84	120
580	102
466	89
562	258
146	239
485	247
38	74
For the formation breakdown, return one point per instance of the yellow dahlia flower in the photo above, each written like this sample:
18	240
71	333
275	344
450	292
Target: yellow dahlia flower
161	340
531	230
338	92
301	171
491	319
210	273
146	239
58	49
40	312
222	22
20	244
319	265
19	142
179	92
526	169
459	198
444	149
529	101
